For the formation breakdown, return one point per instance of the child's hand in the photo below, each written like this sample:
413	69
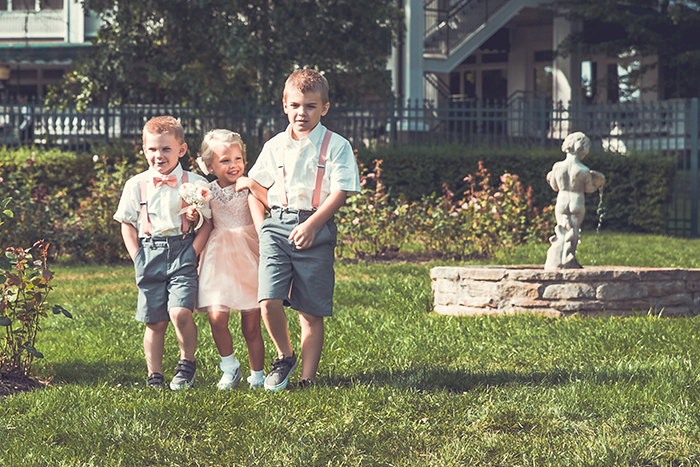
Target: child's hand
244	182
303	236
192	215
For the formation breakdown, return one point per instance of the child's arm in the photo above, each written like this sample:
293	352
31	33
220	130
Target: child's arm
259	191
304	233
257	211
131	239
202	236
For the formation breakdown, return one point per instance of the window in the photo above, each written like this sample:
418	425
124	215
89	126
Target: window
470	84
52	4
543	82
494	84
23	5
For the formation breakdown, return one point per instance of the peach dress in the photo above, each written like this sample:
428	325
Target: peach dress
228	271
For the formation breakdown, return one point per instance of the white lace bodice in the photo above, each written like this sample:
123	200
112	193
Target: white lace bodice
229	208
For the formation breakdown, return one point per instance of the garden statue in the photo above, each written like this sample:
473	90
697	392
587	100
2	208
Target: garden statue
571	179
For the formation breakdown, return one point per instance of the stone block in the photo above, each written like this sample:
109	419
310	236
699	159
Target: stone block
446	299
621	291
533	275
509	288
683	299
444	272
477	288
482	273
476	302
464	311
664	288
568	291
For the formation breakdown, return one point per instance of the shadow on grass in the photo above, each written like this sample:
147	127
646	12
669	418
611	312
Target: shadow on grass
97	373
444	380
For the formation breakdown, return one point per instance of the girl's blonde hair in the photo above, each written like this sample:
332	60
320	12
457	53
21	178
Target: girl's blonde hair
214	140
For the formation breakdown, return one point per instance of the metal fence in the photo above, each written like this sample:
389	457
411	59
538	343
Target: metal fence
666	127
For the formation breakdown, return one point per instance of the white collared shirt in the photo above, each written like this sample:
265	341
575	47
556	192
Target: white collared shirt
164	203
300	165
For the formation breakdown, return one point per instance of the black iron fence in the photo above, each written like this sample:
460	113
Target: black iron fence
666	127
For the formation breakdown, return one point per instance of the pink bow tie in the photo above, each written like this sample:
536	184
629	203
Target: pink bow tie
170	180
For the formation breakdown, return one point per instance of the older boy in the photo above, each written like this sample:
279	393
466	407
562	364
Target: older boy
308	172
164	256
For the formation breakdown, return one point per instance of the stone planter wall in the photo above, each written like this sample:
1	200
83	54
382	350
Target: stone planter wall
481	290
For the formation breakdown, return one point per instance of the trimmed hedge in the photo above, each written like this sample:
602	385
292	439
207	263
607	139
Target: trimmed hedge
637	192
70	198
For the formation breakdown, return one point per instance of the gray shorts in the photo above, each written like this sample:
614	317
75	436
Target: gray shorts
303	279
166	275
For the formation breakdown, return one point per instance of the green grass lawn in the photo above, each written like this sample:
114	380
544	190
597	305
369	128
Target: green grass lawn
399	386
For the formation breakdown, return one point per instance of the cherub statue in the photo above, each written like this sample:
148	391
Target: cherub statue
571	179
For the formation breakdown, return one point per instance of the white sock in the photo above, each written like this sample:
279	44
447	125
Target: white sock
256	377
229	364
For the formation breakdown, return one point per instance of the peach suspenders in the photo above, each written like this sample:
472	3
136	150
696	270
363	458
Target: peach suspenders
320	170
144	207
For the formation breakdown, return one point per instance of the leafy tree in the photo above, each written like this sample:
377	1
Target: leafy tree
207	52
664	28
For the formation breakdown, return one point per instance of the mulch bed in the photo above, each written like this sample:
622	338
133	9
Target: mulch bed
12	383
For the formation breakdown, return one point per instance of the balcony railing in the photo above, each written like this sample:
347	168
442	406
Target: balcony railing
46	24
449	22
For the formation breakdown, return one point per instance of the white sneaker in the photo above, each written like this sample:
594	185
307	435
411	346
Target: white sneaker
256	383
229	380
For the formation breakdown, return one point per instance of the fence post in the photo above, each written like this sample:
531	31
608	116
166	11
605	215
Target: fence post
543	120
392	120
694	167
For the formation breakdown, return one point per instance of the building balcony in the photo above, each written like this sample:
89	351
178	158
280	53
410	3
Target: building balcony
56	25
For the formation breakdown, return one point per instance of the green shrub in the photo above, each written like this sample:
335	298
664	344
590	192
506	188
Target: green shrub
637	192
24	288
480	223
101	239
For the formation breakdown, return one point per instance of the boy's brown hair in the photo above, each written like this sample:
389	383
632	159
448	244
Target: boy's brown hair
307	81
163	125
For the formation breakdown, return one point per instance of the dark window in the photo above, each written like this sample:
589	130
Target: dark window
470	84
613	84
544	56
22	74
18	5
494	58
494	84
454	82
53	74
52	4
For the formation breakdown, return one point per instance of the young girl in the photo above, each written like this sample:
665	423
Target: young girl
228	274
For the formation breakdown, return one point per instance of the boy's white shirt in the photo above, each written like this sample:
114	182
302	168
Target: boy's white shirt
300	165
164	203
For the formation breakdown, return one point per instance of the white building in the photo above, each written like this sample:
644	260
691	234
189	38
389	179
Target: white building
500	49
39	39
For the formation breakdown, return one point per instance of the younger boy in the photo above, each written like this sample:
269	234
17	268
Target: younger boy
164	256
297	241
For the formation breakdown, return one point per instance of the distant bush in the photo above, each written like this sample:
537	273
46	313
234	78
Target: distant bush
637	192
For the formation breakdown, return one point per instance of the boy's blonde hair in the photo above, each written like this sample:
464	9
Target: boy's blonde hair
307	81
216	139
164	125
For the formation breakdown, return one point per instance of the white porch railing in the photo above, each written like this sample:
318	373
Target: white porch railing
46	24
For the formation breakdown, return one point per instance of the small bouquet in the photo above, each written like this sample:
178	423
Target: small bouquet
197	195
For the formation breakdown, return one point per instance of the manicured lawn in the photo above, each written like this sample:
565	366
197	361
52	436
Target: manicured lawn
399	386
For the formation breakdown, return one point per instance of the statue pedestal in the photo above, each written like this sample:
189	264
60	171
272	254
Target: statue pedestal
619	291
